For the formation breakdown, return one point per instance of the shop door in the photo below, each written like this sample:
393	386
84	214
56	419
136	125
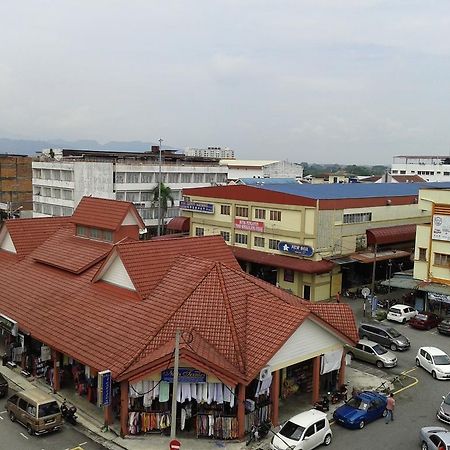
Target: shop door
307	292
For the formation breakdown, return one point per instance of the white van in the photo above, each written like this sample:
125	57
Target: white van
304	431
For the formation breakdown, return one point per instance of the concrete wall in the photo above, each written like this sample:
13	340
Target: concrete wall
93	179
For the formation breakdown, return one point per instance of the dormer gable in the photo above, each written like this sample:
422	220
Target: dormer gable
114	272
6	242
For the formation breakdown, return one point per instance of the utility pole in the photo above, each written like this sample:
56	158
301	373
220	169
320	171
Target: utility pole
173	419
373	275
159	190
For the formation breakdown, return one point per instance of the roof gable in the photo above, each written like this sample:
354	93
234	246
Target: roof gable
114	272
6	243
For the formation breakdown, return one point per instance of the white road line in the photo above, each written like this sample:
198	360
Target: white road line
2	418
26	437
3	412
83	443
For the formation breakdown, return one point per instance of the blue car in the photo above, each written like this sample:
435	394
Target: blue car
361	409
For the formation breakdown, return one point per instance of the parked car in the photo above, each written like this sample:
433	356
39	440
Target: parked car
372	352
306	430
385	335
425	321
444	409
444	326
35	410
401	313
434	438
434	361
3	386
361	409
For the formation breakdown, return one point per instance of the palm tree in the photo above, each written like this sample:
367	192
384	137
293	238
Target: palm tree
166	196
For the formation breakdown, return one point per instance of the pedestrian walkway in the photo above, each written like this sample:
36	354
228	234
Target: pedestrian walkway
91	417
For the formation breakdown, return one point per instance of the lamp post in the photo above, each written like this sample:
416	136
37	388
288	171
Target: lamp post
390	273
159	190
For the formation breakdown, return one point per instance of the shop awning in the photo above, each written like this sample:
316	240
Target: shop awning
180	224
369	257
391	235
402	282
435	288
342	260
285	262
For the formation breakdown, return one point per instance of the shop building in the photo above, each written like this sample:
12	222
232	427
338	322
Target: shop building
312	240
87	296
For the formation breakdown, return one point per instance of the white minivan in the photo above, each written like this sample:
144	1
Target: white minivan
305	431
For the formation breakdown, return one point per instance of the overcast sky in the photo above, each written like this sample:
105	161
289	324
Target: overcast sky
351	81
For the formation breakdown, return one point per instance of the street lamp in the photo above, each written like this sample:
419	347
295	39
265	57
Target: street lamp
390	272
159	190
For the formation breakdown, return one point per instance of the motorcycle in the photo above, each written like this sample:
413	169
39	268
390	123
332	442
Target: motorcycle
324	404
340	394
259	431
69	412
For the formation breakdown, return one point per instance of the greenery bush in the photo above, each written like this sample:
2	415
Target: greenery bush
381	315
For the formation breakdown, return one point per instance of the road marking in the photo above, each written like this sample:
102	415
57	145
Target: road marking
26	437
2	418
83	443
3	412
405	373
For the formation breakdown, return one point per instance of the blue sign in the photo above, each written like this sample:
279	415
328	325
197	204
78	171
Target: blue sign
197	206
297	249
104	388
185	375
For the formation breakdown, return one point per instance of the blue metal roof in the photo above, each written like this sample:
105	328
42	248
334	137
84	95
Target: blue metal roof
265	181
335	191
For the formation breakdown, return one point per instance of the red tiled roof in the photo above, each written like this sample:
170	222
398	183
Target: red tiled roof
104	213
391	235
286	262
408	178
28	234
179	224
70	252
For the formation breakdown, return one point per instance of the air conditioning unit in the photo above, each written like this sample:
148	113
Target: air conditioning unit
265	373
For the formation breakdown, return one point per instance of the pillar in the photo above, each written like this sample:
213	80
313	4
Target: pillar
341	379
275	396
108	415
316	379
123	408
241	411
56	383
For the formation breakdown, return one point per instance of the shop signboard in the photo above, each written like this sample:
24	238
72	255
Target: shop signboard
441	227
297	249
439	297
185	375
249	225
46	353
8	325
207	208
104	383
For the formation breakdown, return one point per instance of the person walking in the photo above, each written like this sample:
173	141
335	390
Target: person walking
338	297
390	406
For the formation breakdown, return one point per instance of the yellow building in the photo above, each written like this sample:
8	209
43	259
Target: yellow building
307	238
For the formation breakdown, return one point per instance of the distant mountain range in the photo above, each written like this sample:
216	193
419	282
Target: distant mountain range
30	147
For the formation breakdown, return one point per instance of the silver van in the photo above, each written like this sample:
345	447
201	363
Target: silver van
385	335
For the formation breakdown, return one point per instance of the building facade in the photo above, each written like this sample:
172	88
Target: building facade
242	168
430	168
309	239
210	152
61	181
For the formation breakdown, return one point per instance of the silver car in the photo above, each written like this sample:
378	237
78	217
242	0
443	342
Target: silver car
444	410
372	352
434	438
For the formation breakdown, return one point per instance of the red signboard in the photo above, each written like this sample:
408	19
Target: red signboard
174	444
249	225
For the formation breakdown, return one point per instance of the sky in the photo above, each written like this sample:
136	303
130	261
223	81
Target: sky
326	81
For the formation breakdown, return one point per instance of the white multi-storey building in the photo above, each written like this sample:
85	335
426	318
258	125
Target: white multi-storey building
245	168
430	168
210	152
62	177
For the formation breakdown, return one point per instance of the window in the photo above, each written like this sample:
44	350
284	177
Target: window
147	177
132	196
259	241
357	217
199	178
56	175
199	231
222	177
173	177
47	192
57	193
186	177
273	244
422	254
241	238
320	425
67	194
23	404
146	196
275	215
36	173
66	175
225	235
120	195
67	211
241	211
402	172
309	432
120	177
289	275
94	233
57	210
132	177
107	236
260	213
441	259
81	231
225	210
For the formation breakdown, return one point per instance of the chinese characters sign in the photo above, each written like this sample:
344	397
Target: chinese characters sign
248	225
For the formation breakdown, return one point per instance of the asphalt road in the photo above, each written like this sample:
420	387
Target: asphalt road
13	436
416	405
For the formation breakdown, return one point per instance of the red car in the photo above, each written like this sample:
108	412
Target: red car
425	321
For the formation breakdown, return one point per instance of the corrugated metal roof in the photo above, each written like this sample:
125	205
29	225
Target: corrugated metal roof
179	224
265	181
391	235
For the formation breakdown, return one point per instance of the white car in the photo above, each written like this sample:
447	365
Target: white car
401	313
305	431
435	361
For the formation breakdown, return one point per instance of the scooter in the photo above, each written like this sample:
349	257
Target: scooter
69	412
259	431
340	394
324	404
